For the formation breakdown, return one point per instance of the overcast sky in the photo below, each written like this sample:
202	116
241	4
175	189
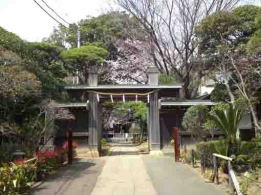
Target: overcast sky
27	20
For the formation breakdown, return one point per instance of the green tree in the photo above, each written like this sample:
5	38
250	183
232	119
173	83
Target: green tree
120	34
229	42
86	56
105	28
11	42
228	120
231	28
18	89
29	73
254	43
194	120
41	59
219	93
45	62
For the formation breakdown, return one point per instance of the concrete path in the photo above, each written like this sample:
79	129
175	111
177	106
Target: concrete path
76	179
171	178
124	174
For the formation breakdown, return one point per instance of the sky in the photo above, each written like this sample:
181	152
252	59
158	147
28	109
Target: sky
27	20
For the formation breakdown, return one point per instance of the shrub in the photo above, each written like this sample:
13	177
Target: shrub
206	149
104	147
6	150
65	145
249	154
14	178
48	161
228	120
186	156
194	120
103	142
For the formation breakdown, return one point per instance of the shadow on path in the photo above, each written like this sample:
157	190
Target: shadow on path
78	178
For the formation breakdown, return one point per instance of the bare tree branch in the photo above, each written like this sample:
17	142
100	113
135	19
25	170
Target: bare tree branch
170	26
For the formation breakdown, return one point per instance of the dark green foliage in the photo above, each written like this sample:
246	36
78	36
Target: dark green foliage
228	120
247	154
138	109
20	90
29	73
84	57
213	28
219	94
168	79
10	41
231	28
254	44
105	28
130	111
41	59
194	120
91	54
48	66
205	150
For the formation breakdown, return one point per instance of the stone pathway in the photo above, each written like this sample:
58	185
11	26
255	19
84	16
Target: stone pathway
76	179
126	172
172	178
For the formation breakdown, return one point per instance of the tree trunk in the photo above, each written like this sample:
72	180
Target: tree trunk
255	119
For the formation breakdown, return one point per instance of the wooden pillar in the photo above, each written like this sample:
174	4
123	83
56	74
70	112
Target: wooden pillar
70	146
93	139
154	126
215	171
176	143
148	126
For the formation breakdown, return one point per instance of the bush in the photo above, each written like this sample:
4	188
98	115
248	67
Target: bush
14	178
103	142
249	155
104	147
186	156
48	161
6	150
194	120
206	149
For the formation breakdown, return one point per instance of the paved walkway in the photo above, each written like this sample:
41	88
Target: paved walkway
126	172
171	178
76	179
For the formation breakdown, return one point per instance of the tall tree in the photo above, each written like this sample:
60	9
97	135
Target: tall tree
226	40
123	37
41	59
86	56
170	26
29	74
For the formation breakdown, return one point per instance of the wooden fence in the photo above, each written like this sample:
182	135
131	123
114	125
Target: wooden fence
232	177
